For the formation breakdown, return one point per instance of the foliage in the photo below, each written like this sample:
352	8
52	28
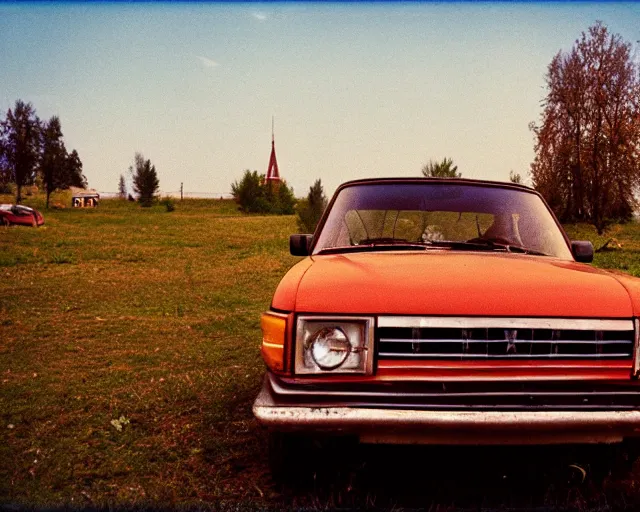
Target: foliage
249	192
5	173
145	180
58	169
53	154
20	143
587	164
285	201
122	188
443	169
515	177
5	186
310	209
254	195
73	176
168	203
33	152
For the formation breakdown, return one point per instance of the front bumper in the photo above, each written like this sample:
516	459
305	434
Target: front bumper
377	423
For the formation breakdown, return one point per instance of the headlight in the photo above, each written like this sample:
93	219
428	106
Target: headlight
334	345
329	348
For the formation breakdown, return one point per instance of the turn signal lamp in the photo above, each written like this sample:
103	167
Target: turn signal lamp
274	329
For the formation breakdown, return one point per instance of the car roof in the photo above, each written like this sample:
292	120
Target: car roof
448	181
7	207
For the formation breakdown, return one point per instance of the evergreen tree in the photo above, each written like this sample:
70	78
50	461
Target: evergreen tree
122	188
310	210
73	176
443	169
20	143
54	156
145	180
514	177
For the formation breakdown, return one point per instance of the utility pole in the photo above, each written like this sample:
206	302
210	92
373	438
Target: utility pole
181	191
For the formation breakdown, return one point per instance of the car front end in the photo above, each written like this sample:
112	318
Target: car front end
434	339
457	380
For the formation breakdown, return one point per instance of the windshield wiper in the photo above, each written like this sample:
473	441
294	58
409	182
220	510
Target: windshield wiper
378	244
524	250
395	244
460	245
501	246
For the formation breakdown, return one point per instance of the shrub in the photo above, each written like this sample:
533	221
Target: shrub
249	192
254	195
6	188
168	204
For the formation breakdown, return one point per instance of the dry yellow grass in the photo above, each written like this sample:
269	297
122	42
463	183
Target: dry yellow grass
144	314
129	361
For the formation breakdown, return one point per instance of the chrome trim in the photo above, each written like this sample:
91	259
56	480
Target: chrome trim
536	426
431	355
636	359
388	364
367	349
340	417
577	324
280	390
461	340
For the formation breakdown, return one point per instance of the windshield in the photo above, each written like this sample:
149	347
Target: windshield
455	216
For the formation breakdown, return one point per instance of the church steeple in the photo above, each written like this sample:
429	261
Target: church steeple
273	174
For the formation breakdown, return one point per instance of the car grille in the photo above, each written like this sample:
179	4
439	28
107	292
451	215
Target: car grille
469	338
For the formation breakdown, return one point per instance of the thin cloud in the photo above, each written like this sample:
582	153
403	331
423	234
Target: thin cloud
207	63
260	16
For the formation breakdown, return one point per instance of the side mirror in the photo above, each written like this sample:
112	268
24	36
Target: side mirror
299	244
582	251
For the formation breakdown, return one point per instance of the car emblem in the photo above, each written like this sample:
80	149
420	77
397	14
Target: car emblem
415	345
511	336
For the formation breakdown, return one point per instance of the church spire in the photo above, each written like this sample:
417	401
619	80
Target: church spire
273	174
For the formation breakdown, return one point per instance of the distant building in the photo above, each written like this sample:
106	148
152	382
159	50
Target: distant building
273	174
81	198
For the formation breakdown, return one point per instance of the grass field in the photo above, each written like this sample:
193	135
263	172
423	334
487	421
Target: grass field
129	361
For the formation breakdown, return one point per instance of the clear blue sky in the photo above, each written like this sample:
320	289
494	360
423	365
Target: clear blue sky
357	90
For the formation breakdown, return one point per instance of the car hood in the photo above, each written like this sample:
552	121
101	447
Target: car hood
461	284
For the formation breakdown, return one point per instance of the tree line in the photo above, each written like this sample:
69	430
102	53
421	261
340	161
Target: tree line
32	150
255	194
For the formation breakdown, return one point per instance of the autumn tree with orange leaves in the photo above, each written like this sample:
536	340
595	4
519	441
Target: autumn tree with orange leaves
587	145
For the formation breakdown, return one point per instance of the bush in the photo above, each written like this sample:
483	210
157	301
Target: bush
254	195
249	193
168	203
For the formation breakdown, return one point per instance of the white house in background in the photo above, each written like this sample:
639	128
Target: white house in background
84	198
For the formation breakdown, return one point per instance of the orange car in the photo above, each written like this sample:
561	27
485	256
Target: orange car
448	311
